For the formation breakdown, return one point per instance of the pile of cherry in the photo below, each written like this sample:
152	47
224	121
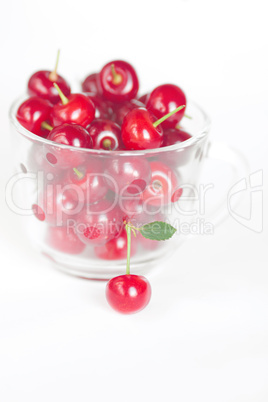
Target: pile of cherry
79	203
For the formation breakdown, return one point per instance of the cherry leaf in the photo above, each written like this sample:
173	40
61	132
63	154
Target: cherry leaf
157	231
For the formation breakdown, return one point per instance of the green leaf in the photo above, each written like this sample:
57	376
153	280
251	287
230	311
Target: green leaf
157	231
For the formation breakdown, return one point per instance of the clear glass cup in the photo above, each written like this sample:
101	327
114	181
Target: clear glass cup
40	190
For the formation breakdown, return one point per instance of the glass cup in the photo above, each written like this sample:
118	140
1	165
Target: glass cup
75	201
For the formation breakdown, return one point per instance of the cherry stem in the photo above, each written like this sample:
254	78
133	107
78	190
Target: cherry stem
187	116
78	173
128	229
156	123
46	126
117	78
107	144
53	74
63	98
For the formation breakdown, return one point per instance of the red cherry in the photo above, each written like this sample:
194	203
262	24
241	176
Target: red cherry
163	187
67	134
32	113
89	178
99	223
138	131
77	108
121	110
119	81
163	100
128	293
105	135
128	175
116	248
174	136
92	84
41	84
57	204
64	239
103	109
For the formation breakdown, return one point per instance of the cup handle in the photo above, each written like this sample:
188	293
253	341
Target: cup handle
240	169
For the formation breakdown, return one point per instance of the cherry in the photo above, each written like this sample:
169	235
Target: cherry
89	178
128	175
138	131
105	135
77	108
41	84
99	223
174	136
121	110
103	109
128	293
119	81
92	84
67	134
33	113
163	100
141	131
64	239
163	187
57	204
116	248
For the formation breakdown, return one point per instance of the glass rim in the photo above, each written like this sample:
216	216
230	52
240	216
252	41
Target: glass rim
202	133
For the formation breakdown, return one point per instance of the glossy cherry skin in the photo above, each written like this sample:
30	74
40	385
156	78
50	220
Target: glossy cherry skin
128	294
92	84
79	110
33	112
163	100
64	239
99	223
116	249
103	109
41	85
105	135
67	134
128	175
121	91
164	187
174	136
122	109
56	204
138	131
89	178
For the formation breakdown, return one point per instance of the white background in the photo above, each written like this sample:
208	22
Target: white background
204	336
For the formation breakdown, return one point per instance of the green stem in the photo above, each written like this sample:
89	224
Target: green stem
128	229
117	78
187	116
53	75
156	123
63	98
46	126
79	174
